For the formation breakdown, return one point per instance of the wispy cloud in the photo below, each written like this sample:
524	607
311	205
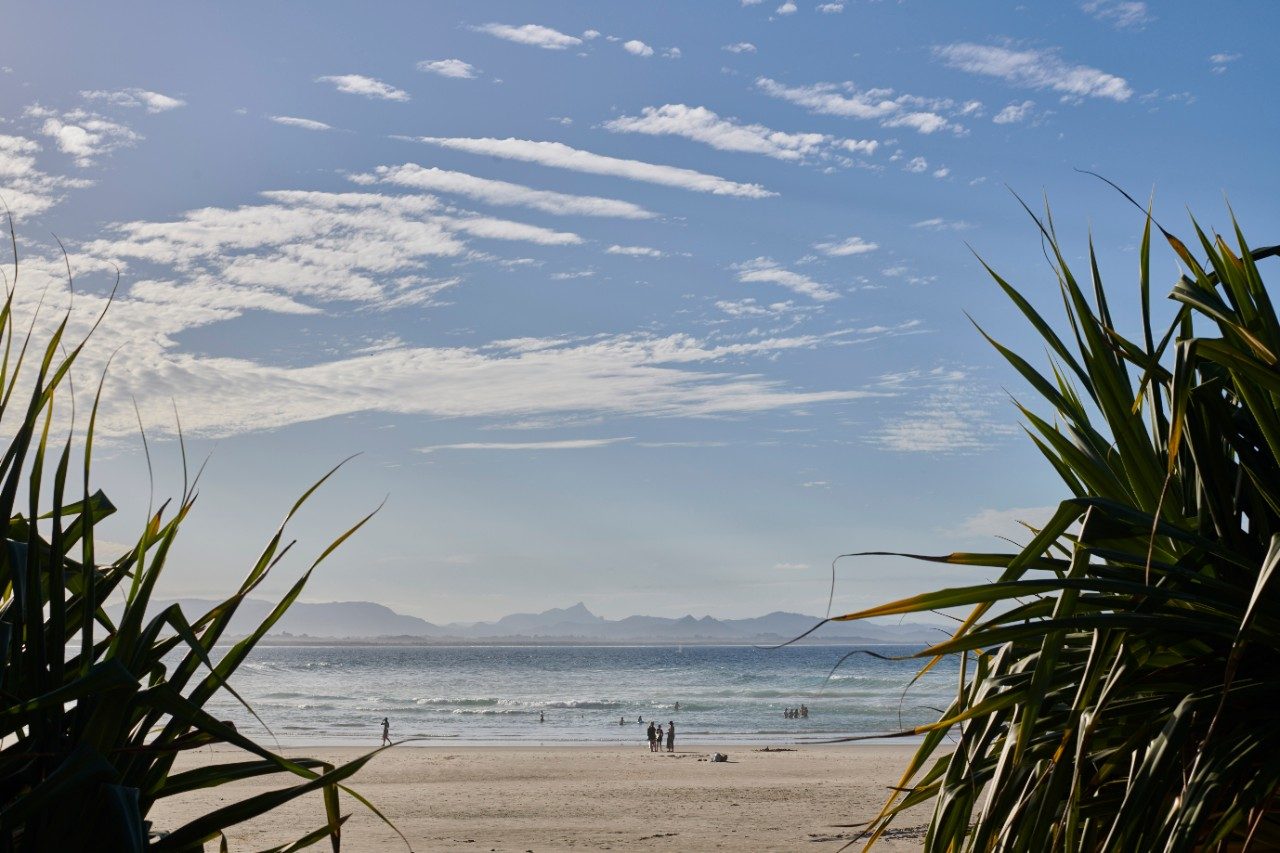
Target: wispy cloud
455	68
636	251
768	271
531	34
85	136
1014	113
854	245
787	8
1011	523
947	412
368	87
560	156
937	223
303	123
830	8
1220	61
1121	14
702	125
844	99
26	189
501	192
153	101
1035	69
751	308
566	444
740	47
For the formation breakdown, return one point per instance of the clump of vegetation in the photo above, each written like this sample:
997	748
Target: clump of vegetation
94	712
1121	675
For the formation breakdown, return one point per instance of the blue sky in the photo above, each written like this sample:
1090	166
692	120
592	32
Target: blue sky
656	306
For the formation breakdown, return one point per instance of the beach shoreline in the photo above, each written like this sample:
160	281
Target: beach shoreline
522	797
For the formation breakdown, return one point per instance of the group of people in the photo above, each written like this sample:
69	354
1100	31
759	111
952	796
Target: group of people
656	734
801	713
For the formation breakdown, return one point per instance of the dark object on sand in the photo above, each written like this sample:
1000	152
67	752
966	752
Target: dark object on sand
719	757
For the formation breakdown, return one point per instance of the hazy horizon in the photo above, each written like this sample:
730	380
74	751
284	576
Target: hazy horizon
657	306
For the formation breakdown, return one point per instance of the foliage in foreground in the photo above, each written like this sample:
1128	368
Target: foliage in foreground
93	713
1120	678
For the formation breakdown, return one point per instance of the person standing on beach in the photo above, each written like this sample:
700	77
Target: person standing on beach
671	736
652	735
386	731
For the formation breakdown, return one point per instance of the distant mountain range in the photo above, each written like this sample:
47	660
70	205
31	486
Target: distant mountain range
363	621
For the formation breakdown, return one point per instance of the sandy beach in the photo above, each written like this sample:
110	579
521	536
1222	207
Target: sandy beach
530	798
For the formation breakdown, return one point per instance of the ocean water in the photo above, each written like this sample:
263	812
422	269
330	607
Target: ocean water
495	695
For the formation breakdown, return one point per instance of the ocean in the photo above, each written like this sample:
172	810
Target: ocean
499	695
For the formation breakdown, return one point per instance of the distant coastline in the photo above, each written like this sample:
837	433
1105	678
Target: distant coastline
370	623
285	639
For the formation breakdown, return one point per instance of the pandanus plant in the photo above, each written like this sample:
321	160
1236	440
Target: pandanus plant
1119	685
95	711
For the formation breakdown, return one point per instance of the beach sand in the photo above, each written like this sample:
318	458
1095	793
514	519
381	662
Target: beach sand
585	798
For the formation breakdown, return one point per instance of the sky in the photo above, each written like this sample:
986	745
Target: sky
655	306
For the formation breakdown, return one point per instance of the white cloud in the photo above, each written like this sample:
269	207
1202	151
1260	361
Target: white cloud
1219	61
1121	14
303	123
1014	113
531	34
749	307
849	246
636	251
567	444
560	156
939	224
501	192
860	146
671	53
27	190
766	270
830	8
921	122
941	172
588	35
916	164
626	375
317	247
637	48
702	125
740	47
368	87
84	135
455	68
751	2
844	99
787	8
1035	69
153	101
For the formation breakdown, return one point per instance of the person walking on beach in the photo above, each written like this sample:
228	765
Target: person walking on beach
657	741
386	731
652	735
671	736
